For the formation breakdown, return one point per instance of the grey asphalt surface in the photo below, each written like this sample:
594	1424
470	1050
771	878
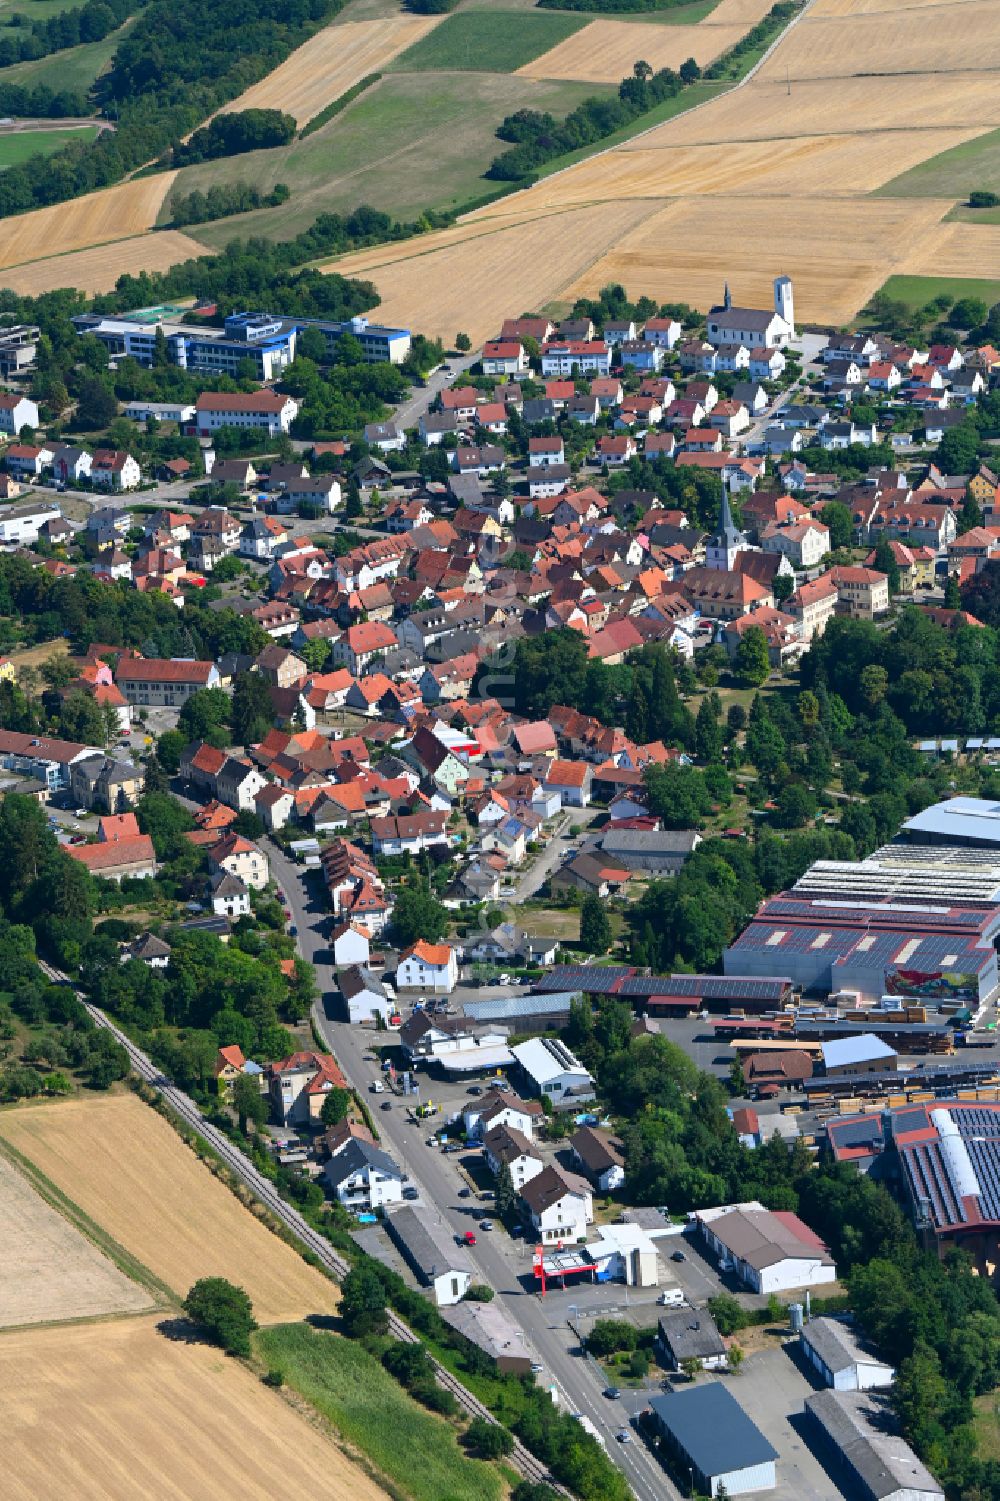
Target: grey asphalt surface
502	1262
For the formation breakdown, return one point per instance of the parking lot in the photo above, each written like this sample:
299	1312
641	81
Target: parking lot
771	1388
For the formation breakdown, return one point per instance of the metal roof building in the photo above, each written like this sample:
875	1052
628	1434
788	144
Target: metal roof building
431	1253
710	1435
841	1360
958	820
876	1465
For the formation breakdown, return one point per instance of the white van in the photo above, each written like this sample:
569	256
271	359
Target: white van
671	1297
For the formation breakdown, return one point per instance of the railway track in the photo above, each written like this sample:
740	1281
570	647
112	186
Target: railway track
238	1163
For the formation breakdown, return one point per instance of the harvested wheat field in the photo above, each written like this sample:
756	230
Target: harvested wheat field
688	250
843	164
130	1172
97	269
496	265
876	7
765	110
965	36
955	249
119	1412
111	214
605	51
48	1269
331	62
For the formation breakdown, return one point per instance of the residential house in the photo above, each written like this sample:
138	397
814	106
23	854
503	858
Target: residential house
691	1334
16	411
113	469
600	1156
230	897
552	1069
428	967
365	997
572	780
241	858
363	1177
506	1146
560	1205
299	1084
862	593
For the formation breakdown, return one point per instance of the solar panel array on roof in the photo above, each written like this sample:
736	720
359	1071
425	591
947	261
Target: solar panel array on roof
929	1180
590	979
856	1131
708	987
785	908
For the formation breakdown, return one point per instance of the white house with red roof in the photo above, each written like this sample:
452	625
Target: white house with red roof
270	411
504	357
16	412
114	469
428	966
572	780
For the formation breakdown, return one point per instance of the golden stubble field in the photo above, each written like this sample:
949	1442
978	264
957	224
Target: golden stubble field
769	179
98	268
129	1171
49	1271
332	62
606	51
111	214
119	1412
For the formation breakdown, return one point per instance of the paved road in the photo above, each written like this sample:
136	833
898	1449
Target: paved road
554	853
502	1262
409	413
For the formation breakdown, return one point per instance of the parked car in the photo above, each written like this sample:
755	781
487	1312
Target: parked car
623	1436
293	931
411	1193
465	1193
612	1393
453	1146
386	1105
474	1089
677	1256
486	1224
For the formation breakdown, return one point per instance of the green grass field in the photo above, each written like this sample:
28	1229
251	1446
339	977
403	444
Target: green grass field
918	291
680	15
35	10
407	144
494	41
951	174
19	145
411	1447
76	68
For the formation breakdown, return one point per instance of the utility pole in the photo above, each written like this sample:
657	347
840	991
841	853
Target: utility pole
788	79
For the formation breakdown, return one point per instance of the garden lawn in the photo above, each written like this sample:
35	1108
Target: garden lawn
490	41
411	1447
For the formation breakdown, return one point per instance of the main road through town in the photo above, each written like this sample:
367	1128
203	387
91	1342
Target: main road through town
504	1264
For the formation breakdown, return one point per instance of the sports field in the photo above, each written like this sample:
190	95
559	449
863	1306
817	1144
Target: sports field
330	63
16	146
130	1172
49	1271
120	1412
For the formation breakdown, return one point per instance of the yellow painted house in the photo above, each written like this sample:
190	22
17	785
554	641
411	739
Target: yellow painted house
983	487
8	672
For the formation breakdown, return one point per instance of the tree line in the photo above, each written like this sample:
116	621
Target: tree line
222	200
24	39
539	137
37	101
